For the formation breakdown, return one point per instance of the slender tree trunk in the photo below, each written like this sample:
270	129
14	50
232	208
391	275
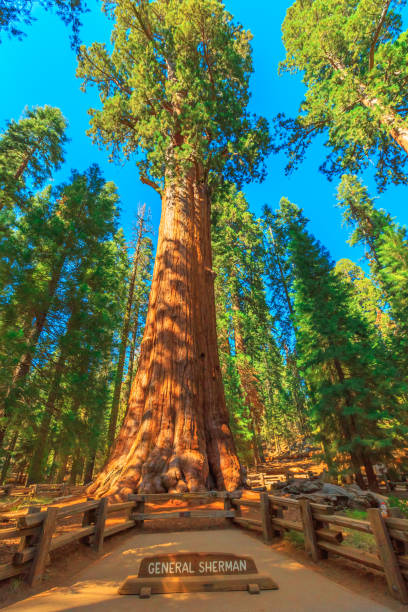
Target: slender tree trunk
131	365
248	381
23	166
89	468
7	458
62	470
77	467
176	435
24	365
53	467
36	471
125	334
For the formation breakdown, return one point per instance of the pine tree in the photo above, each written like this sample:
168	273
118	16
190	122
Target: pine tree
387	246
54	234
353	382
244	319
31	149
174	90
368	299
140	239
352	57
280	278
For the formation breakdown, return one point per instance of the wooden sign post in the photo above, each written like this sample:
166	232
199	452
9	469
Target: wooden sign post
196	572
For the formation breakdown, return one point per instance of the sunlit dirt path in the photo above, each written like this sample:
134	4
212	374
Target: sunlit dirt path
300	589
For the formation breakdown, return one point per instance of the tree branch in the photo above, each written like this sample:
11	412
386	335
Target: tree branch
152	184
377	34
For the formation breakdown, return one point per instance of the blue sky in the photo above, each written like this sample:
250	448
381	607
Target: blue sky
41	70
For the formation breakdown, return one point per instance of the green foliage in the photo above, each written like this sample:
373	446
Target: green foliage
387	245
174	90
62	304
367	297
352	377
352	55
251	362
16	15
31	149
401	504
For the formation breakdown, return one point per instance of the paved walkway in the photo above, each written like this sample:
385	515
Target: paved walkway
300	589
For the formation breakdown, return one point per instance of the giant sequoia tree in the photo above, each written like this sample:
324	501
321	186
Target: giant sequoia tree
174	91
352	54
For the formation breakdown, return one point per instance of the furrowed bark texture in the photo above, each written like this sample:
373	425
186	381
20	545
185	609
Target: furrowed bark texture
176	434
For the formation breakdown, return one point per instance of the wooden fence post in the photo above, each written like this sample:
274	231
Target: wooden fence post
309	531
266	517
88	518
101	514
139	508
43	546
395	579
228	506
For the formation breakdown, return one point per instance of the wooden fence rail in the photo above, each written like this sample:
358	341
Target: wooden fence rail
50	490
37	529
321	528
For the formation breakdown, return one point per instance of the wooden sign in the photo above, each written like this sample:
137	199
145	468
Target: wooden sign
195	572
196	564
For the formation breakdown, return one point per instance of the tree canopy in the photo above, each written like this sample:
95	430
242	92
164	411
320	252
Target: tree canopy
176	79
352	55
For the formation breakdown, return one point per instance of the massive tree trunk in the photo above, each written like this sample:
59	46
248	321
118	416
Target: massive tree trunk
176	435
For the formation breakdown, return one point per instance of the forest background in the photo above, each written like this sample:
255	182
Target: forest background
258	356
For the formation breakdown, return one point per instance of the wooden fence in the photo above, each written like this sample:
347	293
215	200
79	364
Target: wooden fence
37	531
321	529
264	479
50	490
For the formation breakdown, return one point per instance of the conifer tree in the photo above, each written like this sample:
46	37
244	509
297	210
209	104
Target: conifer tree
352	55
54	234
140	239
387	246
280	277
368	299
31	149
353	383
174	90
239	264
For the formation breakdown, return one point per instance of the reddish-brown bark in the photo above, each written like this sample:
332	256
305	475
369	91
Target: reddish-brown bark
176	435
